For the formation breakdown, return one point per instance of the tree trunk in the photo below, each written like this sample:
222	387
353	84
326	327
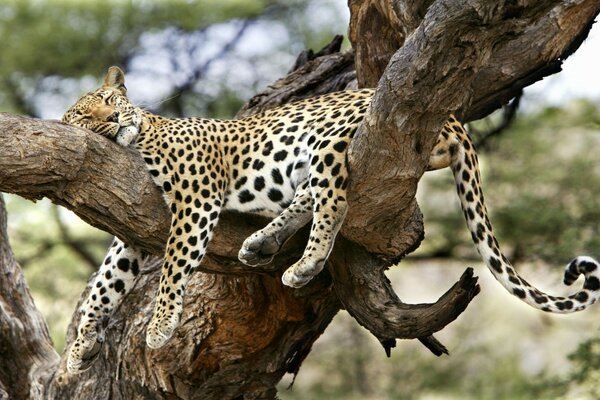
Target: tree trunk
241	328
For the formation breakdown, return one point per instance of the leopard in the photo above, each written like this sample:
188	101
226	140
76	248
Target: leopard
288	163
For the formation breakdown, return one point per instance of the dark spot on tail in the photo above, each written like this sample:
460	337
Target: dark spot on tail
514	280
123	264
480	231
496	264
587	266
581	297
591	283
538	296
571	273
119	285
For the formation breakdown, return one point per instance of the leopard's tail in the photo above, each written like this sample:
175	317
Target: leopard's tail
465	167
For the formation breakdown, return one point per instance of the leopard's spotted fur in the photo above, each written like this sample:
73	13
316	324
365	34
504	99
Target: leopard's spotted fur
288	163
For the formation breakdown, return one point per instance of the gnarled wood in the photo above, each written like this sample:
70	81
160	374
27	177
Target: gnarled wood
365	292
378	28
242	332
28	360
530	40
459	59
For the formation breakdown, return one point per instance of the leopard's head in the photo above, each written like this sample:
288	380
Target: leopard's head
107	110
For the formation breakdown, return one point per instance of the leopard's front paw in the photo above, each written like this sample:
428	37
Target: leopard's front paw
258	249
301	273
84	351
160	329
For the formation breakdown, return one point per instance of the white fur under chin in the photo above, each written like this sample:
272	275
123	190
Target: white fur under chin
126	135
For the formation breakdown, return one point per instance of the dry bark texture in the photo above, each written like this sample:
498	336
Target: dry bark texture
242	330
27	358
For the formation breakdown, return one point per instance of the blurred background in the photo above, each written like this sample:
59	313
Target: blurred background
541	175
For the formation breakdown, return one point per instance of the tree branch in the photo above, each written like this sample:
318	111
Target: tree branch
454	49
458	46
365	292
509	112
379	29
28	360
456	62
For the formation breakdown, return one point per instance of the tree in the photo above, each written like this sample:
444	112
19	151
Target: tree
241	329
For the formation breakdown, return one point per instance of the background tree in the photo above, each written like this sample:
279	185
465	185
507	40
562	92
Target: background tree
180	387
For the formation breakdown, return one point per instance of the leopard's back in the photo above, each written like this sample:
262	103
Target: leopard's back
269	154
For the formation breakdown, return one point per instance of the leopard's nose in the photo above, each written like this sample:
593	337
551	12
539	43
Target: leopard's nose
114	117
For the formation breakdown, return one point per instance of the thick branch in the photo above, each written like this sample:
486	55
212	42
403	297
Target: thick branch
28	359
85	173
454	48
457	60
378	29
104	184
367	295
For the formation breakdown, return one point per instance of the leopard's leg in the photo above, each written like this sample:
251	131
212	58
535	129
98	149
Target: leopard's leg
328	180
260	247
114	279
188	238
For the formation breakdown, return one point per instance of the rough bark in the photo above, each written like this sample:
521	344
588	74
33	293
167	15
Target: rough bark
242	330
526	41
464	57
27	359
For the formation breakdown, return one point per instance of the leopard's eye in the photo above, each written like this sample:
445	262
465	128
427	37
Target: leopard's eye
85	117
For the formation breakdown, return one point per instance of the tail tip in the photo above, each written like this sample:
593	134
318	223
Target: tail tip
585	265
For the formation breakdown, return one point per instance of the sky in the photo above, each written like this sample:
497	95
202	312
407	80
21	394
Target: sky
580	77
261	54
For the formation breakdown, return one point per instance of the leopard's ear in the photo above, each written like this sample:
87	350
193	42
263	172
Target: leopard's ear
115	78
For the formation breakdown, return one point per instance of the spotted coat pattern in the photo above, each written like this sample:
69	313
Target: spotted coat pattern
288	163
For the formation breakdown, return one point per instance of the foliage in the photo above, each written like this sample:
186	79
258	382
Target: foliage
553	155
586	371
52	50
81	37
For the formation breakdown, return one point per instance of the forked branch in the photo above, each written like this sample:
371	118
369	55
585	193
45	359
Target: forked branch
367	295
483	46
453	57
